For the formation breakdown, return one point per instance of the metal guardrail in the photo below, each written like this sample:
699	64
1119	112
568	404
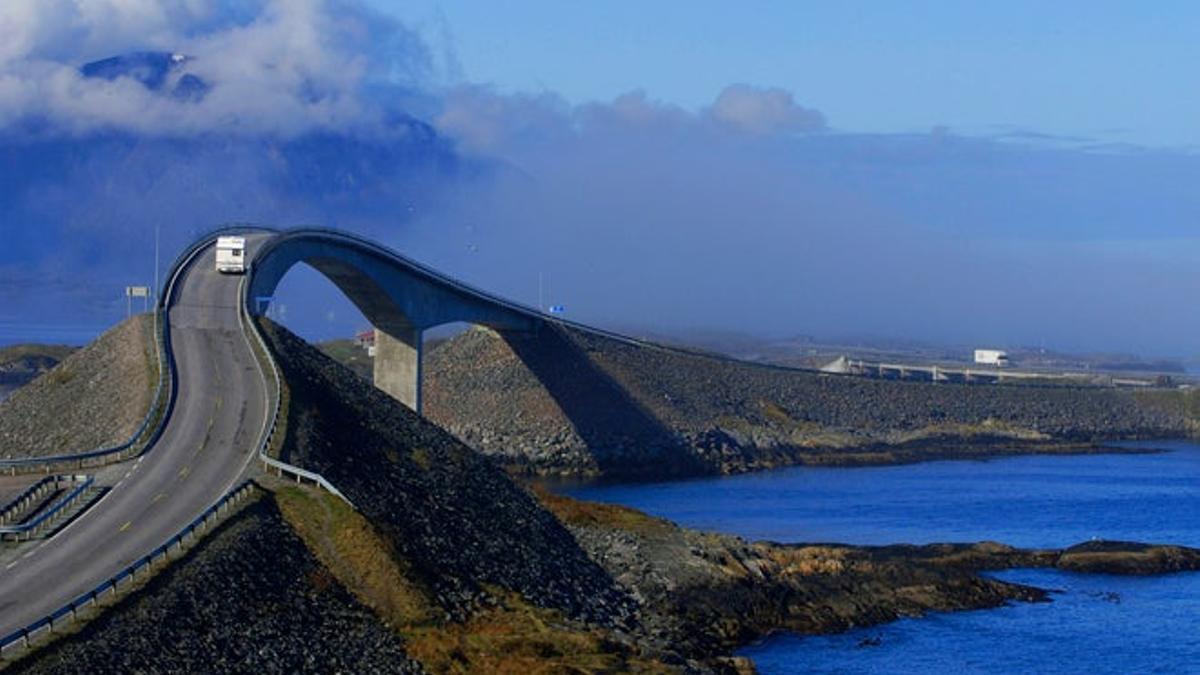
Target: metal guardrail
203	522
109	588
165	386
28	496
25	531
271	423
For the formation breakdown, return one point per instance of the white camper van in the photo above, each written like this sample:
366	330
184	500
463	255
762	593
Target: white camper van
231	255
991	357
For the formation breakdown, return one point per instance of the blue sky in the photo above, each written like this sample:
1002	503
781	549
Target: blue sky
1112	71
965	173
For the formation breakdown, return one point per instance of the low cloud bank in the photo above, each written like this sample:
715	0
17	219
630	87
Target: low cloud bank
753	213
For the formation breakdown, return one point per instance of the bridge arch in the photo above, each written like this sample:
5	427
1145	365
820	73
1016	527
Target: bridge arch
400	297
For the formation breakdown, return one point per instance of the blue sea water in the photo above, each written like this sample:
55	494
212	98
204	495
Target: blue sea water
1097	624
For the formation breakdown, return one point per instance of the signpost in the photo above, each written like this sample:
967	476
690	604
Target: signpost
132	292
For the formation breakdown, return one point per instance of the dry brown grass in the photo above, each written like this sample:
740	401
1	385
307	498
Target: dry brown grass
807	561
512	637
591	514
519	639
358	556
988	427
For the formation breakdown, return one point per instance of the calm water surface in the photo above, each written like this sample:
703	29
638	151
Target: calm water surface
1098	624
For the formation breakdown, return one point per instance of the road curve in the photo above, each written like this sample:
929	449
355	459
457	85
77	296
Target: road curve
206	448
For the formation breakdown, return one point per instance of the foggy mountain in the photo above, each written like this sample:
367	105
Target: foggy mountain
756	213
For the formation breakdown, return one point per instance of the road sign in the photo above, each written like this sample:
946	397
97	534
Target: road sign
132	292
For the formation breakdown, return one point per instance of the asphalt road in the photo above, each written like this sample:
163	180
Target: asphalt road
206	449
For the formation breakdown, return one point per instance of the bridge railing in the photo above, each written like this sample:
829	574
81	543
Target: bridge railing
34	493
44	519
274	392
164	391
510	305
69	612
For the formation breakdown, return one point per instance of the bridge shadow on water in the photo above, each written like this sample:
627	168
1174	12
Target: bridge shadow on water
624	438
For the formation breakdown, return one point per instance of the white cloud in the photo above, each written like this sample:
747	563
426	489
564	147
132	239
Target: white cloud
764	111
281	67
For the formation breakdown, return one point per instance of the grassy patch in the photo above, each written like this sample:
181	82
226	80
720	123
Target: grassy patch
520	639
420	457
350	354
775	413
591	514
988	427
60	375
511	637
358	556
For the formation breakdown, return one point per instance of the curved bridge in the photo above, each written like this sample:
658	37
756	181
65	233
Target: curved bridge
219	414
400	297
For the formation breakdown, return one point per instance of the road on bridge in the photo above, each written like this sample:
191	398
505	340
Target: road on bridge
206	449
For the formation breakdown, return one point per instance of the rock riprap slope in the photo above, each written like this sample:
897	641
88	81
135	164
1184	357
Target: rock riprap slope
96	397
250	598
458	521
565	402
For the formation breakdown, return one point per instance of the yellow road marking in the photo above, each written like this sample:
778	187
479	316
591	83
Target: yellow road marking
184	472
158	497
125	526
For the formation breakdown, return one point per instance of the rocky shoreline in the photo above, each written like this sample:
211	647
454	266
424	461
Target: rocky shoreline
716	593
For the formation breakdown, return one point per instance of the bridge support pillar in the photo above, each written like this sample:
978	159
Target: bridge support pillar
398	364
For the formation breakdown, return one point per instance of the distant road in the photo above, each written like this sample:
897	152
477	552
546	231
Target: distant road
205	450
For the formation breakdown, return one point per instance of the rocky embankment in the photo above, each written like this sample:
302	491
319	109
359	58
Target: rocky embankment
570	403
457	520
93	398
